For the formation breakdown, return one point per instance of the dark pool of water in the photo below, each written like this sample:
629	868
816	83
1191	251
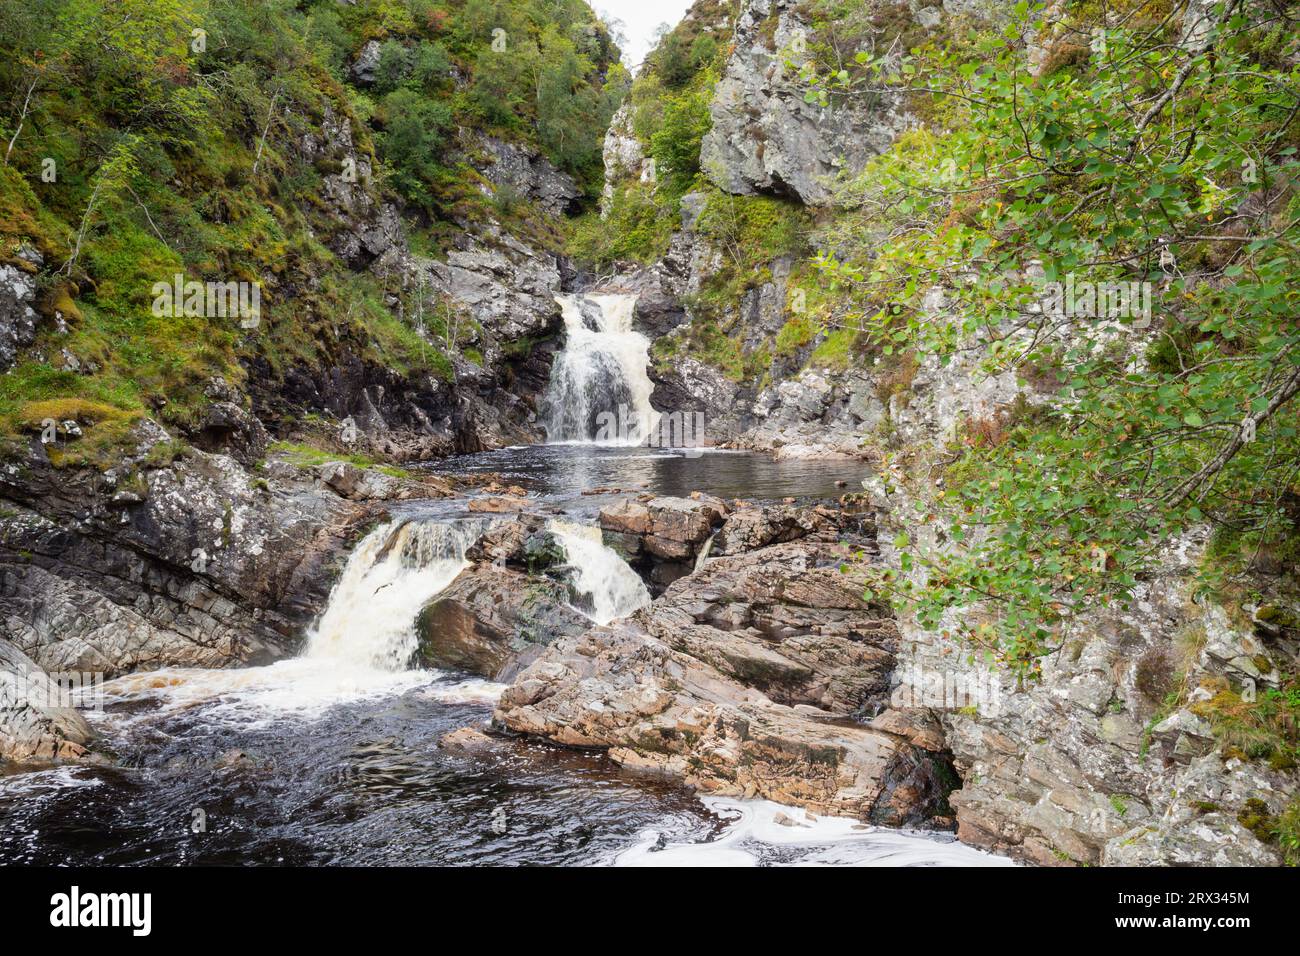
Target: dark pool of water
564	472
364	784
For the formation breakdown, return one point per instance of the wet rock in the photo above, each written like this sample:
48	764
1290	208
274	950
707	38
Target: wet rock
721	681
187	561
492	620
497	504
34	726
626	517
467	740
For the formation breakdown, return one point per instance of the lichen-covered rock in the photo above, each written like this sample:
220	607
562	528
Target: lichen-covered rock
622	152
191	561
18	318
366	62
506	286
765	137
528	175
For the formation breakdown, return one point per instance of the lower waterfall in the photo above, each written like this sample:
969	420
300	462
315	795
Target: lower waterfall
600	389
370	618
599	574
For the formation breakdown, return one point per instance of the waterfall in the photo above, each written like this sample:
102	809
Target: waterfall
599	574
369	621
599	389
360	648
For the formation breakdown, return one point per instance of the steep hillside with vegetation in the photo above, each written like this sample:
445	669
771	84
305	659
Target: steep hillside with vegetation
329	153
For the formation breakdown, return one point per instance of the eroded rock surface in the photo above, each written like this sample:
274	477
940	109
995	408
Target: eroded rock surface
765	137
741	679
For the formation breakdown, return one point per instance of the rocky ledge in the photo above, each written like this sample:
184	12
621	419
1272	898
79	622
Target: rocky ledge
753	676
173	556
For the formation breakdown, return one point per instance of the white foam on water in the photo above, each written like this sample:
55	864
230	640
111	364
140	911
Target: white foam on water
614	589
360	648
32	784
754	838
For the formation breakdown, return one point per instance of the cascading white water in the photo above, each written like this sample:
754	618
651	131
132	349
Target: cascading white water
604	578
391	574
600	389
360	648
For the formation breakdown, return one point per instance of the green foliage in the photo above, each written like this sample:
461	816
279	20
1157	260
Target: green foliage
176	156
689	48
415	130
637	227
309	456
675	146
1287	832
1036	178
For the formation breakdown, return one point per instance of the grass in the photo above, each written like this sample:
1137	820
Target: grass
309	456
1266	728
835	351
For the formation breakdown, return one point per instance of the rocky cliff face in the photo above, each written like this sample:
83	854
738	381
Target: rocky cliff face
765	137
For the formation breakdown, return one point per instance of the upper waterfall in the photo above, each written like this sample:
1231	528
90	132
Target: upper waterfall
600	389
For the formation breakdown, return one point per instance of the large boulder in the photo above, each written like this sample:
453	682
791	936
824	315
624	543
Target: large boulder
35	725
491	620
669	528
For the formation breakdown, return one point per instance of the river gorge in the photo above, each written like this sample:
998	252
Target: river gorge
860	433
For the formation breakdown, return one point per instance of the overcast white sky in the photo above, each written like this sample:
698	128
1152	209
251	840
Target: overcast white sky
640	17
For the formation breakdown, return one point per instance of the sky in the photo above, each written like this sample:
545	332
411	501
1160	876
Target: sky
640	17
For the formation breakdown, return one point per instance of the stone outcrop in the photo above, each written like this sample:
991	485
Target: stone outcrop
672	529
622	152
739	681
528	175
506	285
38	719
1081	766
765	137
18	316
192	561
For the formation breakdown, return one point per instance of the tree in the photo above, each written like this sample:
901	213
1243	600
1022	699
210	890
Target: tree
1152	157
